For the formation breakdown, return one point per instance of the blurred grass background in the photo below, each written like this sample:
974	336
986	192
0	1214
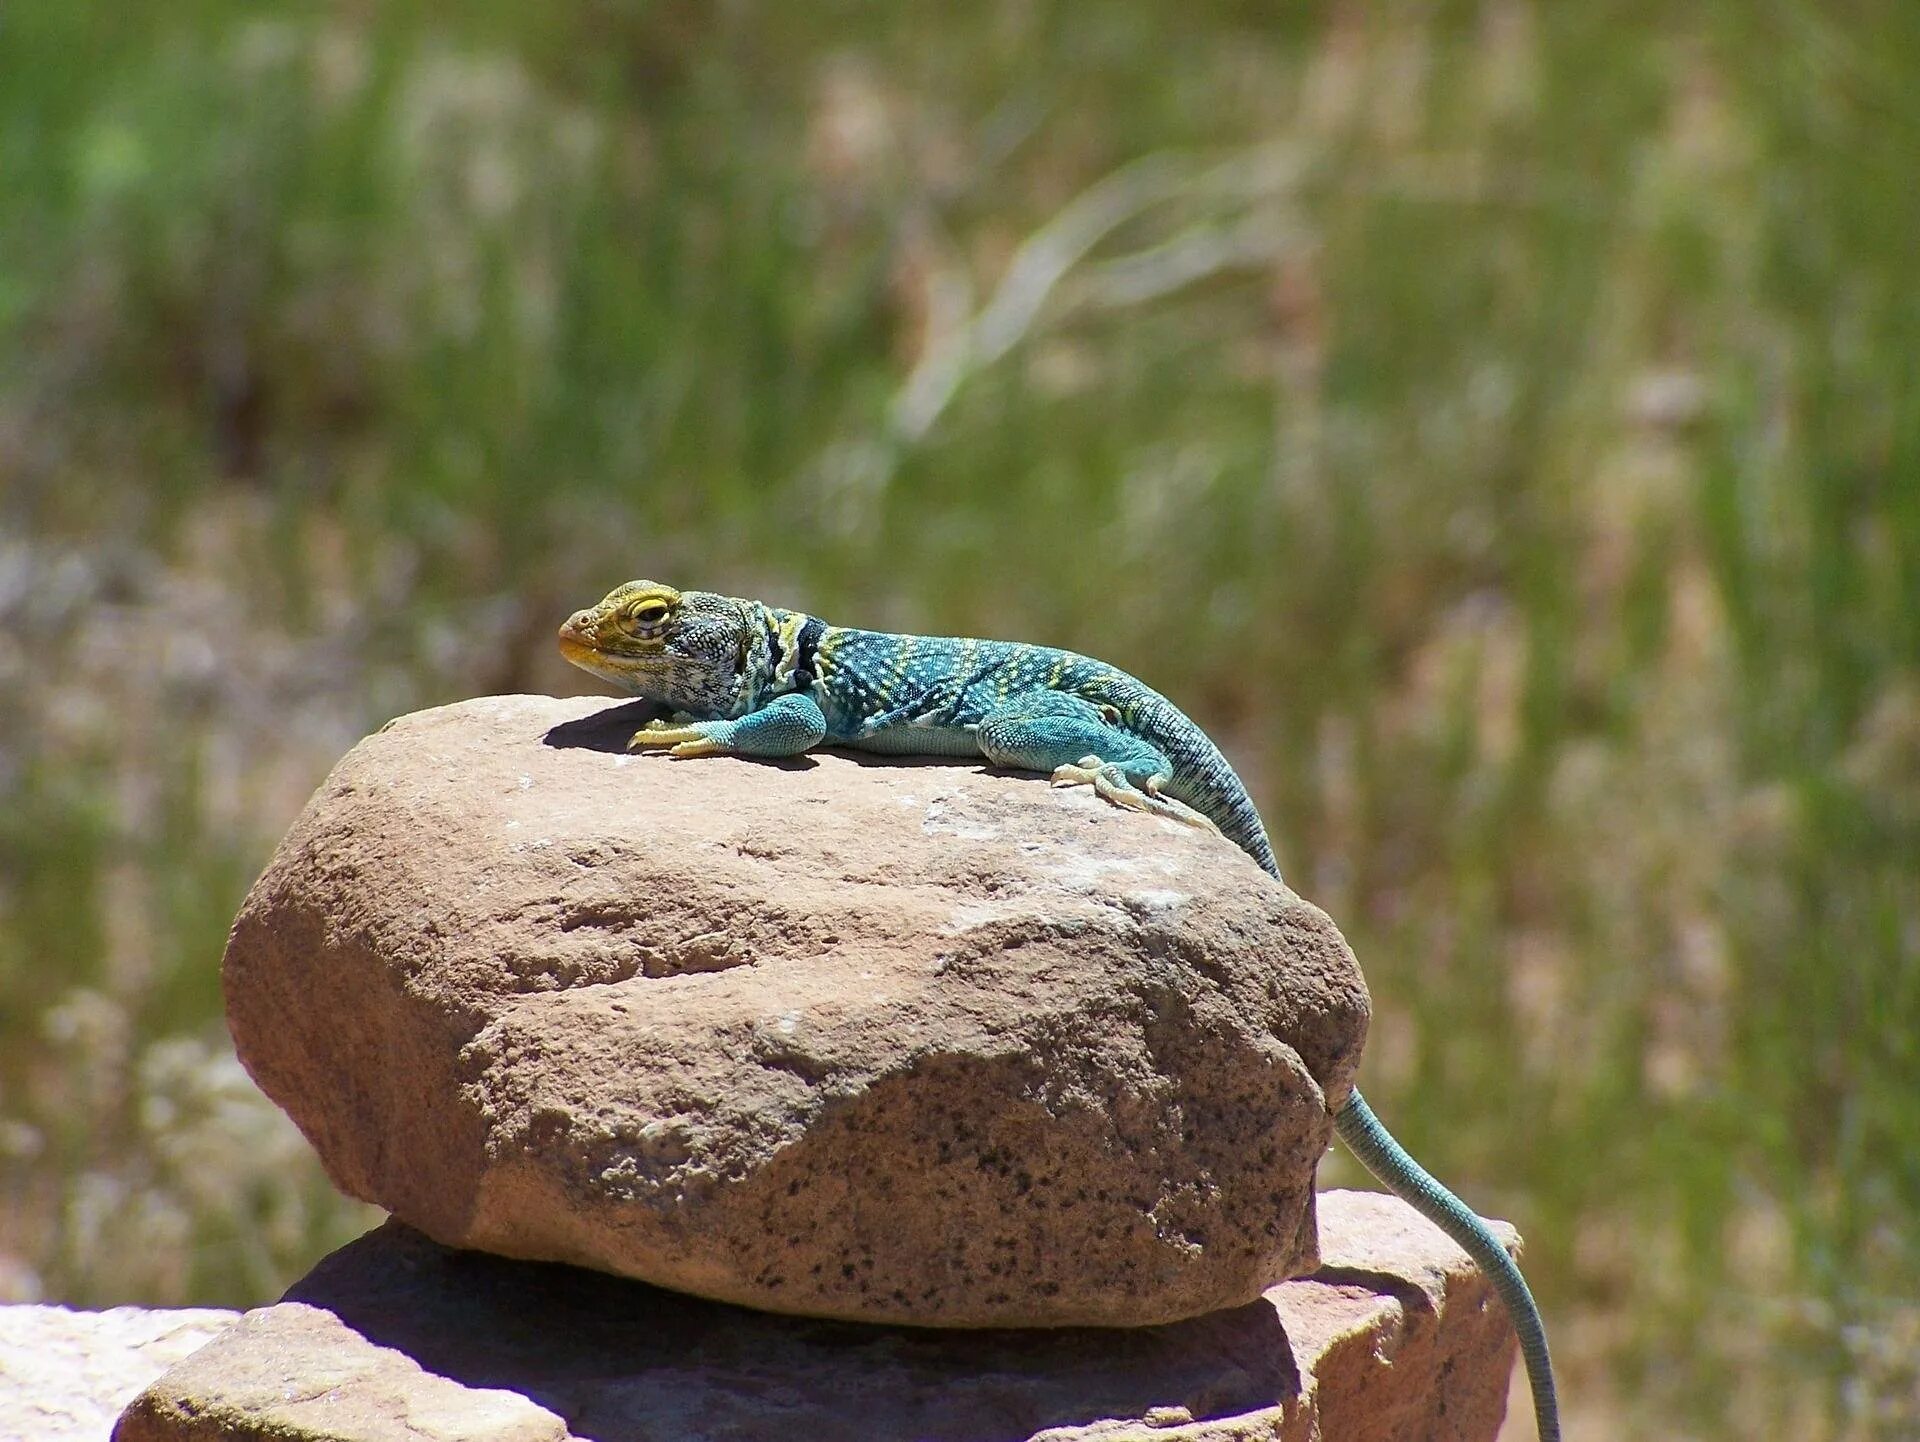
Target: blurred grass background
1498	423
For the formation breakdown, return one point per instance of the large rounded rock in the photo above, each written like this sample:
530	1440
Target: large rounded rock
898	1041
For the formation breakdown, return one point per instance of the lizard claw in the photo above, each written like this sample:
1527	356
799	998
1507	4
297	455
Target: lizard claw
1111	784
1176	809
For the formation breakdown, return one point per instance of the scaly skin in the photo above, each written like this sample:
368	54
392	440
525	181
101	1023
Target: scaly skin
754	680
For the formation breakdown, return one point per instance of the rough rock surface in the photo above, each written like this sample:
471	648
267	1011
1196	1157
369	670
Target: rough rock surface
878	1040
1397	1339
65	1374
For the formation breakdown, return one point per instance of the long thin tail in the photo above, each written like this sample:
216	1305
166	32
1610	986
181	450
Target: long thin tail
1400	1174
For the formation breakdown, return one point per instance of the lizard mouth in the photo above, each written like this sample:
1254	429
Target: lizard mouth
579	652
576	643
582	647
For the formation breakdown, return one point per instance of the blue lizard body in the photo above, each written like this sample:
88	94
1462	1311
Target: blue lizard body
756	680
921	695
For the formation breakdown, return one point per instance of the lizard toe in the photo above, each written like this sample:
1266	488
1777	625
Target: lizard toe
660	735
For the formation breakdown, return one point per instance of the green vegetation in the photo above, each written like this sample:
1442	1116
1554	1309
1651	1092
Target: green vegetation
1500	424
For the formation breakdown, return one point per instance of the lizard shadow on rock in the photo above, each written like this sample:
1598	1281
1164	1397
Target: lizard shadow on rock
608	729
623	1361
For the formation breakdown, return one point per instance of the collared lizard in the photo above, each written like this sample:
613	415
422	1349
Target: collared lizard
749	679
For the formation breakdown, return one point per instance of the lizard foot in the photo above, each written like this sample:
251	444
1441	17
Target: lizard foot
676	740
1110	782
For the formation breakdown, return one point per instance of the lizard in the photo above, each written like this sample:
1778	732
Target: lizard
747	679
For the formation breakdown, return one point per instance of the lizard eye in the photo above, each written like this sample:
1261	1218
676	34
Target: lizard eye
649	613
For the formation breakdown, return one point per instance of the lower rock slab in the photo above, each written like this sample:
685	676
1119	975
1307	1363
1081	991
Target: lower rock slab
65	1374
397	1339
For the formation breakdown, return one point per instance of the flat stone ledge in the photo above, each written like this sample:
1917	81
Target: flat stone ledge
397	1339
66	1374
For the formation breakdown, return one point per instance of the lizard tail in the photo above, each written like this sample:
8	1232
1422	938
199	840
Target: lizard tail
1361	1130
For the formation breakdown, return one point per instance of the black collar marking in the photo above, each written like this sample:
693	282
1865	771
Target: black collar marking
803	673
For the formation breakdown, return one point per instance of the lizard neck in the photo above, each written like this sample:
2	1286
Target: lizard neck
785	655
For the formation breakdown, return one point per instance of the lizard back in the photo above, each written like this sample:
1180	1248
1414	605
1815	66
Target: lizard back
937	689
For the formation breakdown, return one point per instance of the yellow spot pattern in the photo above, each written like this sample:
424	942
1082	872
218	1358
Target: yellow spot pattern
902	663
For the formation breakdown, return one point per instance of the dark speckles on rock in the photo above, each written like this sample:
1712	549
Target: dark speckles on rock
954	1049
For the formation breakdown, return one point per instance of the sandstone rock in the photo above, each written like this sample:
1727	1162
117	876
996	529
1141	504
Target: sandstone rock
1398	1339
65	1374
887	1041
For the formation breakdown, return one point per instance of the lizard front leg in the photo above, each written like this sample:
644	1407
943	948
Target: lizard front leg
785	726
1078	744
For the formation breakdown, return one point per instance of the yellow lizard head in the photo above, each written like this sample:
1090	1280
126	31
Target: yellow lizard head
689	649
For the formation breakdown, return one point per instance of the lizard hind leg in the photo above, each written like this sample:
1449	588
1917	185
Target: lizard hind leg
1076	743
1110	781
